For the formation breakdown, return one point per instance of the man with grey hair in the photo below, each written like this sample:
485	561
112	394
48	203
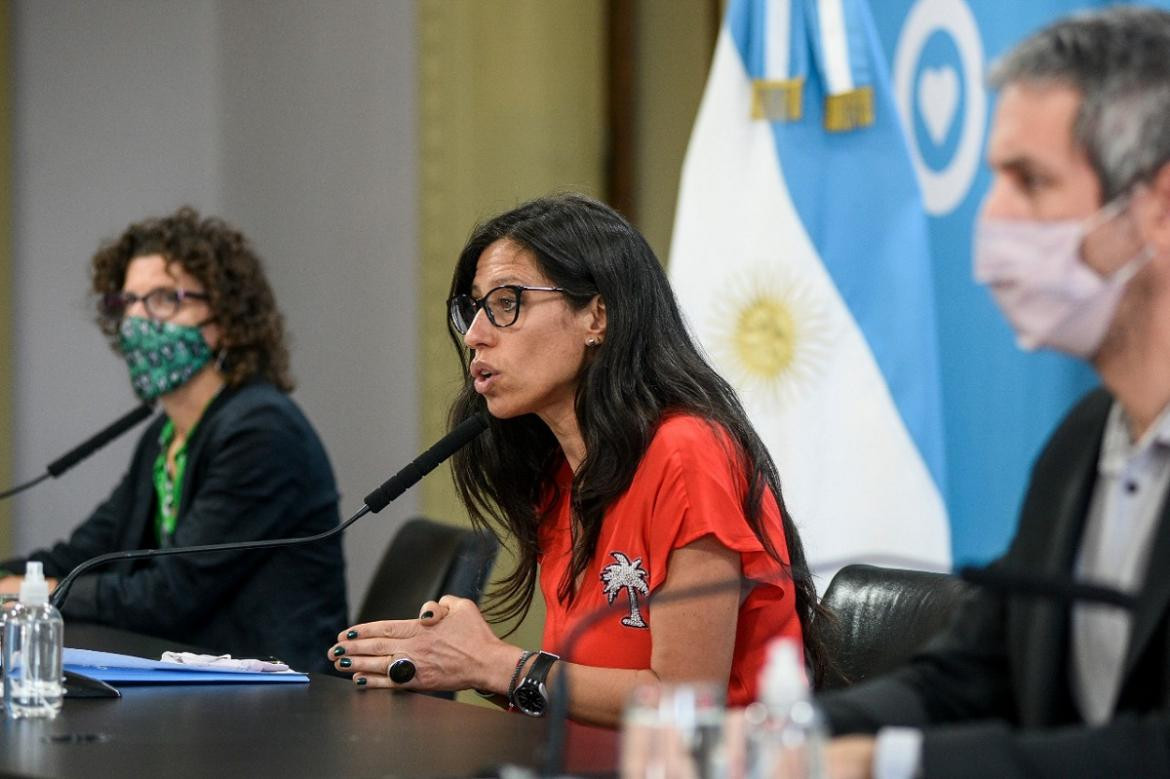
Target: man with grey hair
1074	243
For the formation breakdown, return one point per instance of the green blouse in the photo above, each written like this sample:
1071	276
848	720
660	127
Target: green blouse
167	488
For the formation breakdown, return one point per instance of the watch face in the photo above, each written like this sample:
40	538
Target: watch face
529	700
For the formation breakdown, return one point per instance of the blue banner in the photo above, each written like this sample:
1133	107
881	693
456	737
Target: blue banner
999	404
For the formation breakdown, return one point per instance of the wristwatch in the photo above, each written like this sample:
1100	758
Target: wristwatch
531	694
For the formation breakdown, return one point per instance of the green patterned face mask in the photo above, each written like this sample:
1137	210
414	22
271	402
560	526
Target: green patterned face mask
162	356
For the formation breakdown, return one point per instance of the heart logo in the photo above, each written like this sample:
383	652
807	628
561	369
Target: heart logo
938	97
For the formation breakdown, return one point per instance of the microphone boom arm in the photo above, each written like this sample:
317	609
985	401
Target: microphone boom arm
85	448
375	502
62	590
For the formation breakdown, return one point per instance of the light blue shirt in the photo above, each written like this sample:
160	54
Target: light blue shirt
1115	551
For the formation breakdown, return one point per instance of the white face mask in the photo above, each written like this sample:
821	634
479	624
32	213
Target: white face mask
1043	287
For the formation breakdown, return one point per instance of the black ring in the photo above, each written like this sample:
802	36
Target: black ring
401	671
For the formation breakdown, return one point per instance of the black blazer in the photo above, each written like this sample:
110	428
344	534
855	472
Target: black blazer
994	691
255	469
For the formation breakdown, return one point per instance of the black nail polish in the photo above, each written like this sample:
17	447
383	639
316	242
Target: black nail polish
427	614
360	681
338	651
351	635
345	662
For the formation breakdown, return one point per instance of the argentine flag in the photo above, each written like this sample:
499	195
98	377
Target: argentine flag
800	257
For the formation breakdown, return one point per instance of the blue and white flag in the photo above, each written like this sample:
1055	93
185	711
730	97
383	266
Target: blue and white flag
801	259
999	404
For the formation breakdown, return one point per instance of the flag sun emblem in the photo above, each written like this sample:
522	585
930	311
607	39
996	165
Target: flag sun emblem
771	336
765	337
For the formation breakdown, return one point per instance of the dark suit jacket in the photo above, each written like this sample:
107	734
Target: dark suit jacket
255	469
993	692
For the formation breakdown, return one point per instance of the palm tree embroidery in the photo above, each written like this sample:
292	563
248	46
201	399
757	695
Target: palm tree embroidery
629	576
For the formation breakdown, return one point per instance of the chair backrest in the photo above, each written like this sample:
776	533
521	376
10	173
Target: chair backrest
882	616
426	560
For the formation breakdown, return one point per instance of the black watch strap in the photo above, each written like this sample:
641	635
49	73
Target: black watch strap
531	694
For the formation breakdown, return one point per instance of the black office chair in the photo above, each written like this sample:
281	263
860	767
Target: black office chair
882	616
426	560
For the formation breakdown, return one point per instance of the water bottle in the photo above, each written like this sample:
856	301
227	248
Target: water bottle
34	638
673	730
786	734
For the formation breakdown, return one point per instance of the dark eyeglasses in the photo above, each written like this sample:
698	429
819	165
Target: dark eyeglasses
160	303
502	306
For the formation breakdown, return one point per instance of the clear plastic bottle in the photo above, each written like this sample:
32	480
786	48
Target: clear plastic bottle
675	731
34	637
786	733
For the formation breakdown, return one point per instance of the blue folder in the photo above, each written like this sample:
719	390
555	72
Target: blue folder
127	669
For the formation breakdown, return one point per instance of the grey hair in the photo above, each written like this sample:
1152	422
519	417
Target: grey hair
1118	59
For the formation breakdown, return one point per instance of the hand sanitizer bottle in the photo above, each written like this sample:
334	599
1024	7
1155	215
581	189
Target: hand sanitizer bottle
34	638
786	731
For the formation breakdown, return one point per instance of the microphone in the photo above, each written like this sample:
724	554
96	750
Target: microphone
426	462
1015	582
1000	579
85	448
375	502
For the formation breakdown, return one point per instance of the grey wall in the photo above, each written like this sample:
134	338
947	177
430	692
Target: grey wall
318	117
114	117
296	121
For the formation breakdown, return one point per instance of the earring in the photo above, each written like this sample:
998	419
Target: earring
591	341
221	360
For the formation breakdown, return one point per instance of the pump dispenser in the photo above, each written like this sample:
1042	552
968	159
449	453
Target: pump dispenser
34	638
34	590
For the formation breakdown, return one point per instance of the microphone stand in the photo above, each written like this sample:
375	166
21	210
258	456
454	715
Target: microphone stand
19	488
374	502
1021	583
79	685
62	590
84	449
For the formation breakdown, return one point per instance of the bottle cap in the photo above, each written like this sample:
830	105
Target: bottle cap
783	681
34	590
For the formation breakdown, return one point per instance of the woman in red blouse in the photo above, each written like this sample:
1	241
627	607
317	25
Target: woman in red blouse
622	466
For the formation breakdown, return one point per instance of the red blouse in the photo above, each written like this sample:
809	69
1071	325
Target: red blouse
687	486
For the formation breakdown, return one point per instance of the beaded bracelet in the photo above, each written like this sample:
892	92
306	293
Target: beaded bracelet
516	674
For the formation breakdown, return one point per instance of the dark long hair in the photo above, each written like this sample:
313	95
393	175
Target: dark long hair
646	366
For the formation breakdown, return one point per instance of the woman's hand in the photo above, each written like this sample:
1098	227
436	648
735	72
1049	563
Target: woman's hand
450	645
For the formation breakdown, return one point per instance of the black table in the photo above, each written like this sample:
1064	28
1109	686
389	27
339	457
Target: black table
324	728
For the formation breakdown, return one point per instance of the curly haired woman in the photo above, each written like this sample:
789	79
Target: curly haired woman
185	301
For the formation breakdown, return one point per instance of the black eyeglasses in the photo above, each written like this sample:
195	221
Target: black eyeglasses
502	306
160	303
